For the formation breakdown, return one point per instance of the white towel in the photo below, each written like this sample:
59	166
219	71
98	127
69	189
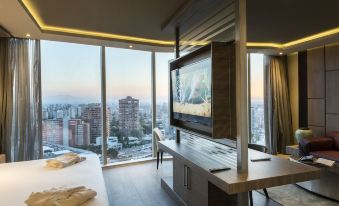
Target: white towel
75	196
65	160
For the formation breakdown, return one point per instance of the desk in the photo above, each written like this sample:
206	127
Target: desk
198	155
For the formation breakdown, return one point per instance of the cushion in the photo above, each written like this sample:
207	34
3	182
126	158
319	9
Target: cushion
335	136
311	144
331	155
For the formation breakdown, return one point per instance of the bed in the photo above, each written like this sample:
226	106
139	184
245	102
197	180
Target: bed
18	180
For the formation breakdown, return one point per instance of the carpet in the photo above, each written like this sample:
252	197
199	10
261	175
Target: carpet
292	195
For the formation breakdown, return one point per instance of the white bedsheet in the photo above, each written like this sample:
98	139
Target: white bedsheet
18	180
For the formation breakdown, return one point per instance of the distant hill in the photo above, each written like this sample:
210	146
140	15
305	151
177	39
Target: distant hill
69	99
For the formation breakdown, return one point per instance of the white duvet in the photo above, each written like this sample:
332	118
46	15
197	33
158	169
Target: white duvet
18	180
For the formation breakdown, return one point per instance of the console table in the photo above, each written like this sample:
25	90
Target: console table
193	184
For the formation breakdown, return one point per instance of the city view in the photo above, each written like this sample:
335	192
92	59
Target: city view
257	132
257	123
77	128
71	98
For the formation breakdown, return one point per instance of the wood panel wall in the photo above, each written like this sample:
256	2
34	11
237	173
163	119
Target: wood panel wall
322	89
332	87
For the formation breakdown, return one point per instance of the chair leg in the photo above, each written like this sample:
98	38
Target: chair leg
266	193
251	198
157	160
161	153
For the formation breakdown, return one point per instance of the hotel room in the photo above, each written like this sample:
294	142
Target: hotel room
169	102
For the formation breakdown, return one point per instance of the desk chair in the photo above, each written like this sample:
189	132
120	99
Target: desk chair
158	136
259	148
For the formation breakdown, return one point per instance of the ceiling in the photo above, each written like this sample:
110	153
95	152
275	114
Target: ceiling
282	21
137	18
274	21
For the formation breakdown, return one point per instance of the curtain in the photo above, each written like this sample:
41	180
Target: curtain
278	120
21	132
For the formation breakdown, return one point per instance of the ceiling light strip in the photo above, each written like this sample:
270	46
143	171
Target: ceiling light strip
34	14
45	27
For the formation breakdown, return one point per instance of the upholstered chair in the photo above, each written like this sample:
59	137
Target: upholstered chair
158	136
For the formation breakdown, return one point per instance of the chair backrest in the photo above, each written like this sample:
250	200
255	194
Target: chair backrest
158	137
257	147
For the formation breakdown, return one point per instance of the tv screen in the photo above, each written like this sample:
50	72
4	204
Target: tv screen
191	93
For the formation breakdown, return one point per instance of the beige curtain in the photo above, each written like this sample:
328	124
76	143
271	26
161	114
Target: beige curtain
20	102
278	120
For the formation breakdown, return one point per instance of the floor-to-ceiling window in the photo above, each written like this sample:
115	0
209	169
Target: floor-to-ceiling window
162	94
128	93
257	123
71	96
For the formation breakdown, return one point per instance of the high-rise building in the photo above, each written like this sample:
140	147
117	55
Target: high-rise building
92	115
74	112
128	114
52	131
59	114
79	132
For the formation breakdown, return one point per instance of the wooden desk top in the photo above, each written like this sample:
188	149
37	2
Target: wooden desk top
201	155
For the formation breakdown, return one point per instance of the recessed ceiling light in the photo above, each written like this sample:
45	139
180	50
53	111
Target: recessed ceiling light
280	53
130	46
28	35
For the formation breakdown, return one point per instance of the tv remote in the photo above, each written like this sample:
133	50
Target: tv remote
219	169
261	159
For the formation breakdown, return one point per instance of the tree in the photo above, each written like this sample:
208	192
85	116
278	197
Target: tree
112	153
137	133
114	130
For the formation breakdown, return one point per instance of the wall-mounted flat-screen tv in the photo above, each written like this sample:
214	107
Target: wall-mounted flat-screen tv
192	93
202	91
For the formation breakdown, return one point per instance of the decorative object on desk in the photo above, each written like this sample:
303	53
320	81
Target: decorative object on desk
158	136
302	133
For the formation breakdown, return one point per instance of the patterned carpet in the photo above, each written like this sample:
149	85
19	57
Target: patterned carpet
292	195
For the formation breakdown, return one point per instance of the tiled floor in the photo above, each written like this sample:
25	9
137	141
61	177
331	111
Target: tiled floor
139	184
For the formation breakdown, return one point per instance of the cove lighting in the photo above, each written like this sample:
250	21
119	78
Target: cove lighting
44	27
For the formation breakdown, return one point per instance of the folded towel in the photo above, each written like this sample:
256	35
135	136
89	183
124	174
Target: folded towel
61	197
65	160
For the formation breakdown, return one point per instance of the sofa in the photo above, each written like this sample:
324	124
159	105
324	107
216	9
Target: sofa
321	147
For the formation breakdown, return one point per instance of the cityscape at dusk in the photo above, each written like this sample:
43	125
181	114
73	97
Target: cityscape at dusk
71	96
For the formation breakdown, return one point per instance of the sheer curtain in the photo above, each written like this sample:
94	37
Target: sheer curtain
21	132
278	120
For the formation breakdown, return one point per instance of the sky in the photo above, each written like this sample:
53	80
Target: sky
257	76
71	72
